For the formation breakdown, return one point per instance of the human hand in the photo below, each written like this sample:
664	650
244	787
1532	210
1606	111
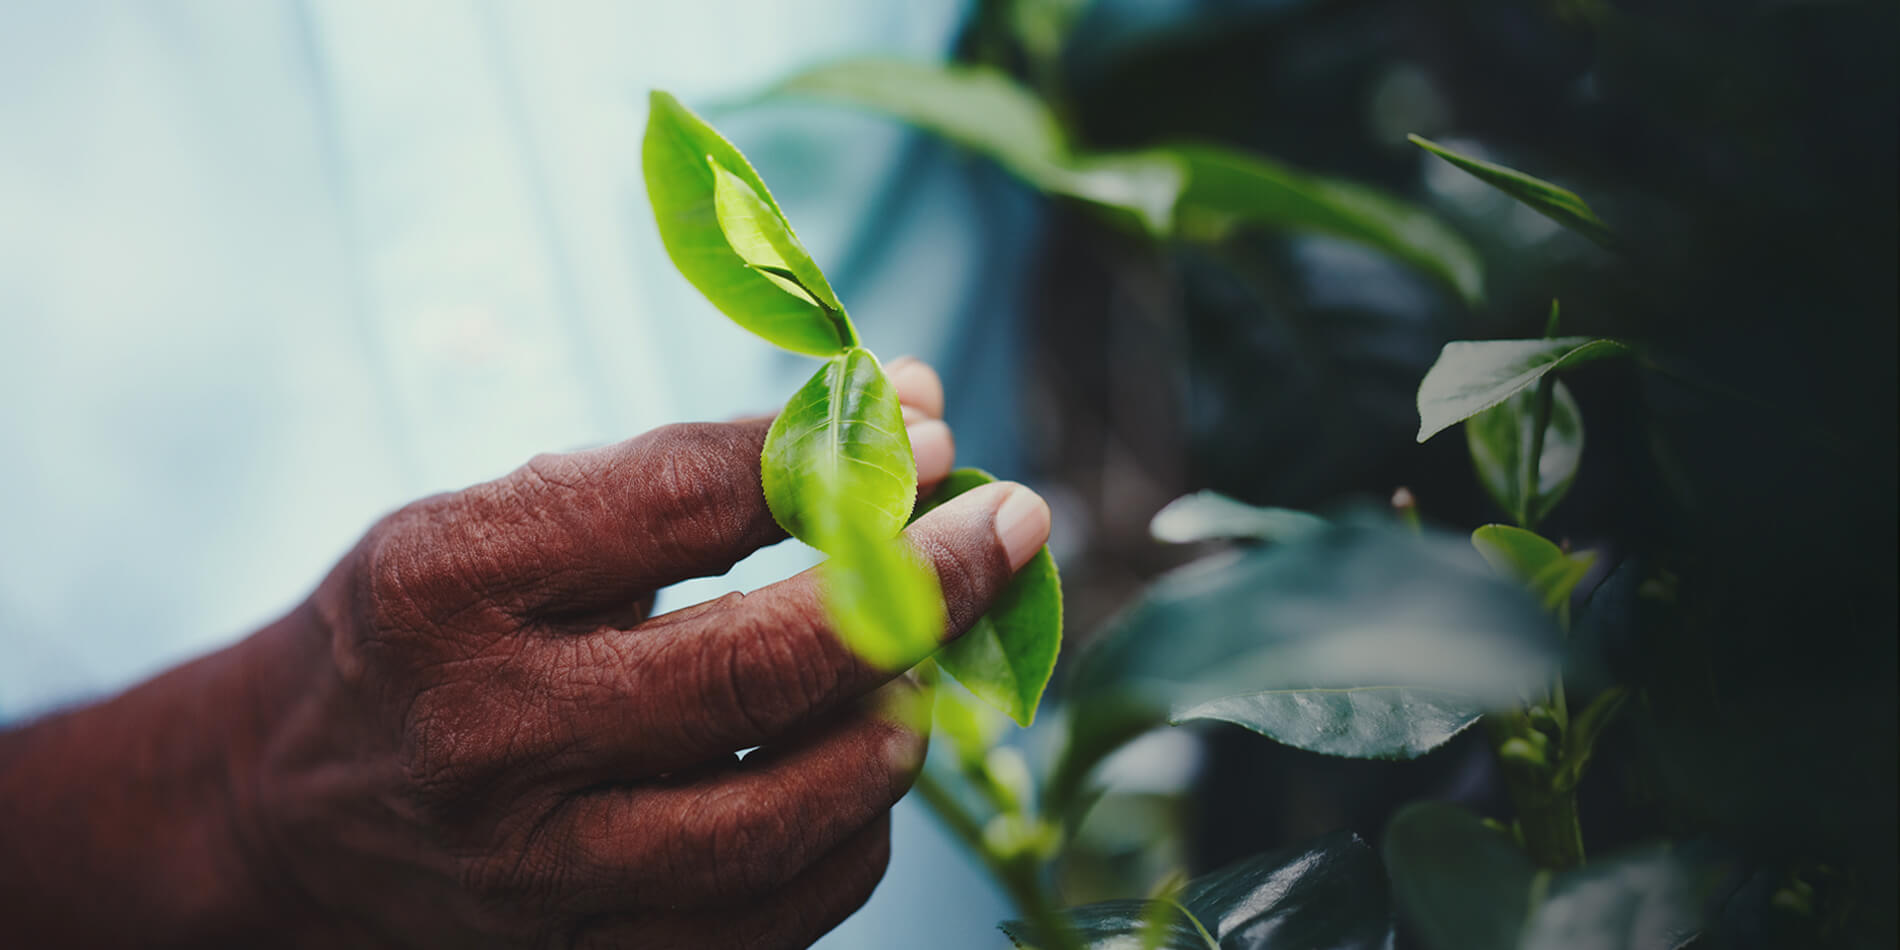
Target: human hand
473	734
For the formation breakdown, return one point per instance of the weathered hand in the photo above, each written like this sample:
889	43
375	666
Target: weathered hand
474	735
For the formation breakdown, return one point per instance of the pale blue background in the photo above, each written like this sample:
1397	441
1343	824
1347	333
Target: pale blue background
270	269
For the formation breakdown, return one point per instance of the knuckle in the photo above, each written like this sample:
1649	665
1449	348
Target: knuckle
748	850
775	667
700	481
965	578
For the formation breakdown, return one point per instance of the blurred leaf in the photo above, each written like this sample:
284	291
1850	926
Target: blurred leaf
764	240
1500	437
1328	893
1471	376
840	441
681	186
1530	559
1228	188
1350	607
1207	516
1650	900
1007	657
1558	204
1199	191
1364	722
1461	885
881	596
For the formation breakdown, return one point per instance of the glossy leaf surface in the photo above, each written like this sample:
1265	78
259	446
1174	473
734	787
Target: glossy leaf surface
1500	437
1558	204
1006	659
1532	560
1352	607
1461	885
1326	893
1362	722
681	186
766	243
1209	516
1471	376
842	438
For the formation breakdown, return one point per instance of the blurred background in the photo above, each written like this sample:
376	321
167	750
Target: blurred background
268	270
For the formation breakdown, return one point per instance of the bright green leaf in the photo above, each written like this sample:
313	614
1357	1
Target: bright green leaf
1208	516
681	186
1558	204
1472	376
881	596
1327	893
1228	188
1006	659
841	441
1530	559
1362	722
1462	886
1500	437
763	239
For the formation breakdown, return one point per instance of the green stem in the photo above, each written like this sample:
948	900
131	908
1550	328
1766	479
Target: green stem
1019	875
1531	466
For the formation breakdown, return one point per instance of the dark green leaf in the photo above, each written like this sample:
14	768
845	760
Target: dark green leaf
1207	516
681	186
1007	657
1228	188
1462	886
1328	893
841	437
1363	722
1199	191
1472	376
1350	607
1500	437
763	239
1558	204
1530	559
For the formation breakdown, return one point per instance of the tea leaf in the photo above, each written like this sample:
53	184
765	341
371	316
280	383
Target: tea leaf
1195	191
1558	204
1006	659
881	596
1362	722
1209	516
1462	886
1649	900
682	186
1471	376
1500	437
1419	619
763	239
1531	560
1326	893
841	442
1228	188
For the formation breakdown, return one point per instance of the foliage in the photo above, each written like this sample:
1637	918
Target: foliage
1728	287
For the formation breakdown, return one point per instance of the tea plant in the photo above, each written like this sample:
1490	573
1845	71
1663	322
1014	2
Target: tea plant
1362	635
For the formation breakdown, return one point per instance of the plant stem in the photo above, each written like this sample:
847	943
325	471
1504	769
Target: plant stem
1531	466
1019	875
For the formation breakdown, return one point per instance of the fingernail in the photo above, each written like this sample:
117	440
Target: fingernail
935	449
1022	524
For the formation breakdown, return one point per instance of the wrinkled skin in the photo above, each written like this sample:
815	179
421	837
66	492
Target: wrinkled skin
474	735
